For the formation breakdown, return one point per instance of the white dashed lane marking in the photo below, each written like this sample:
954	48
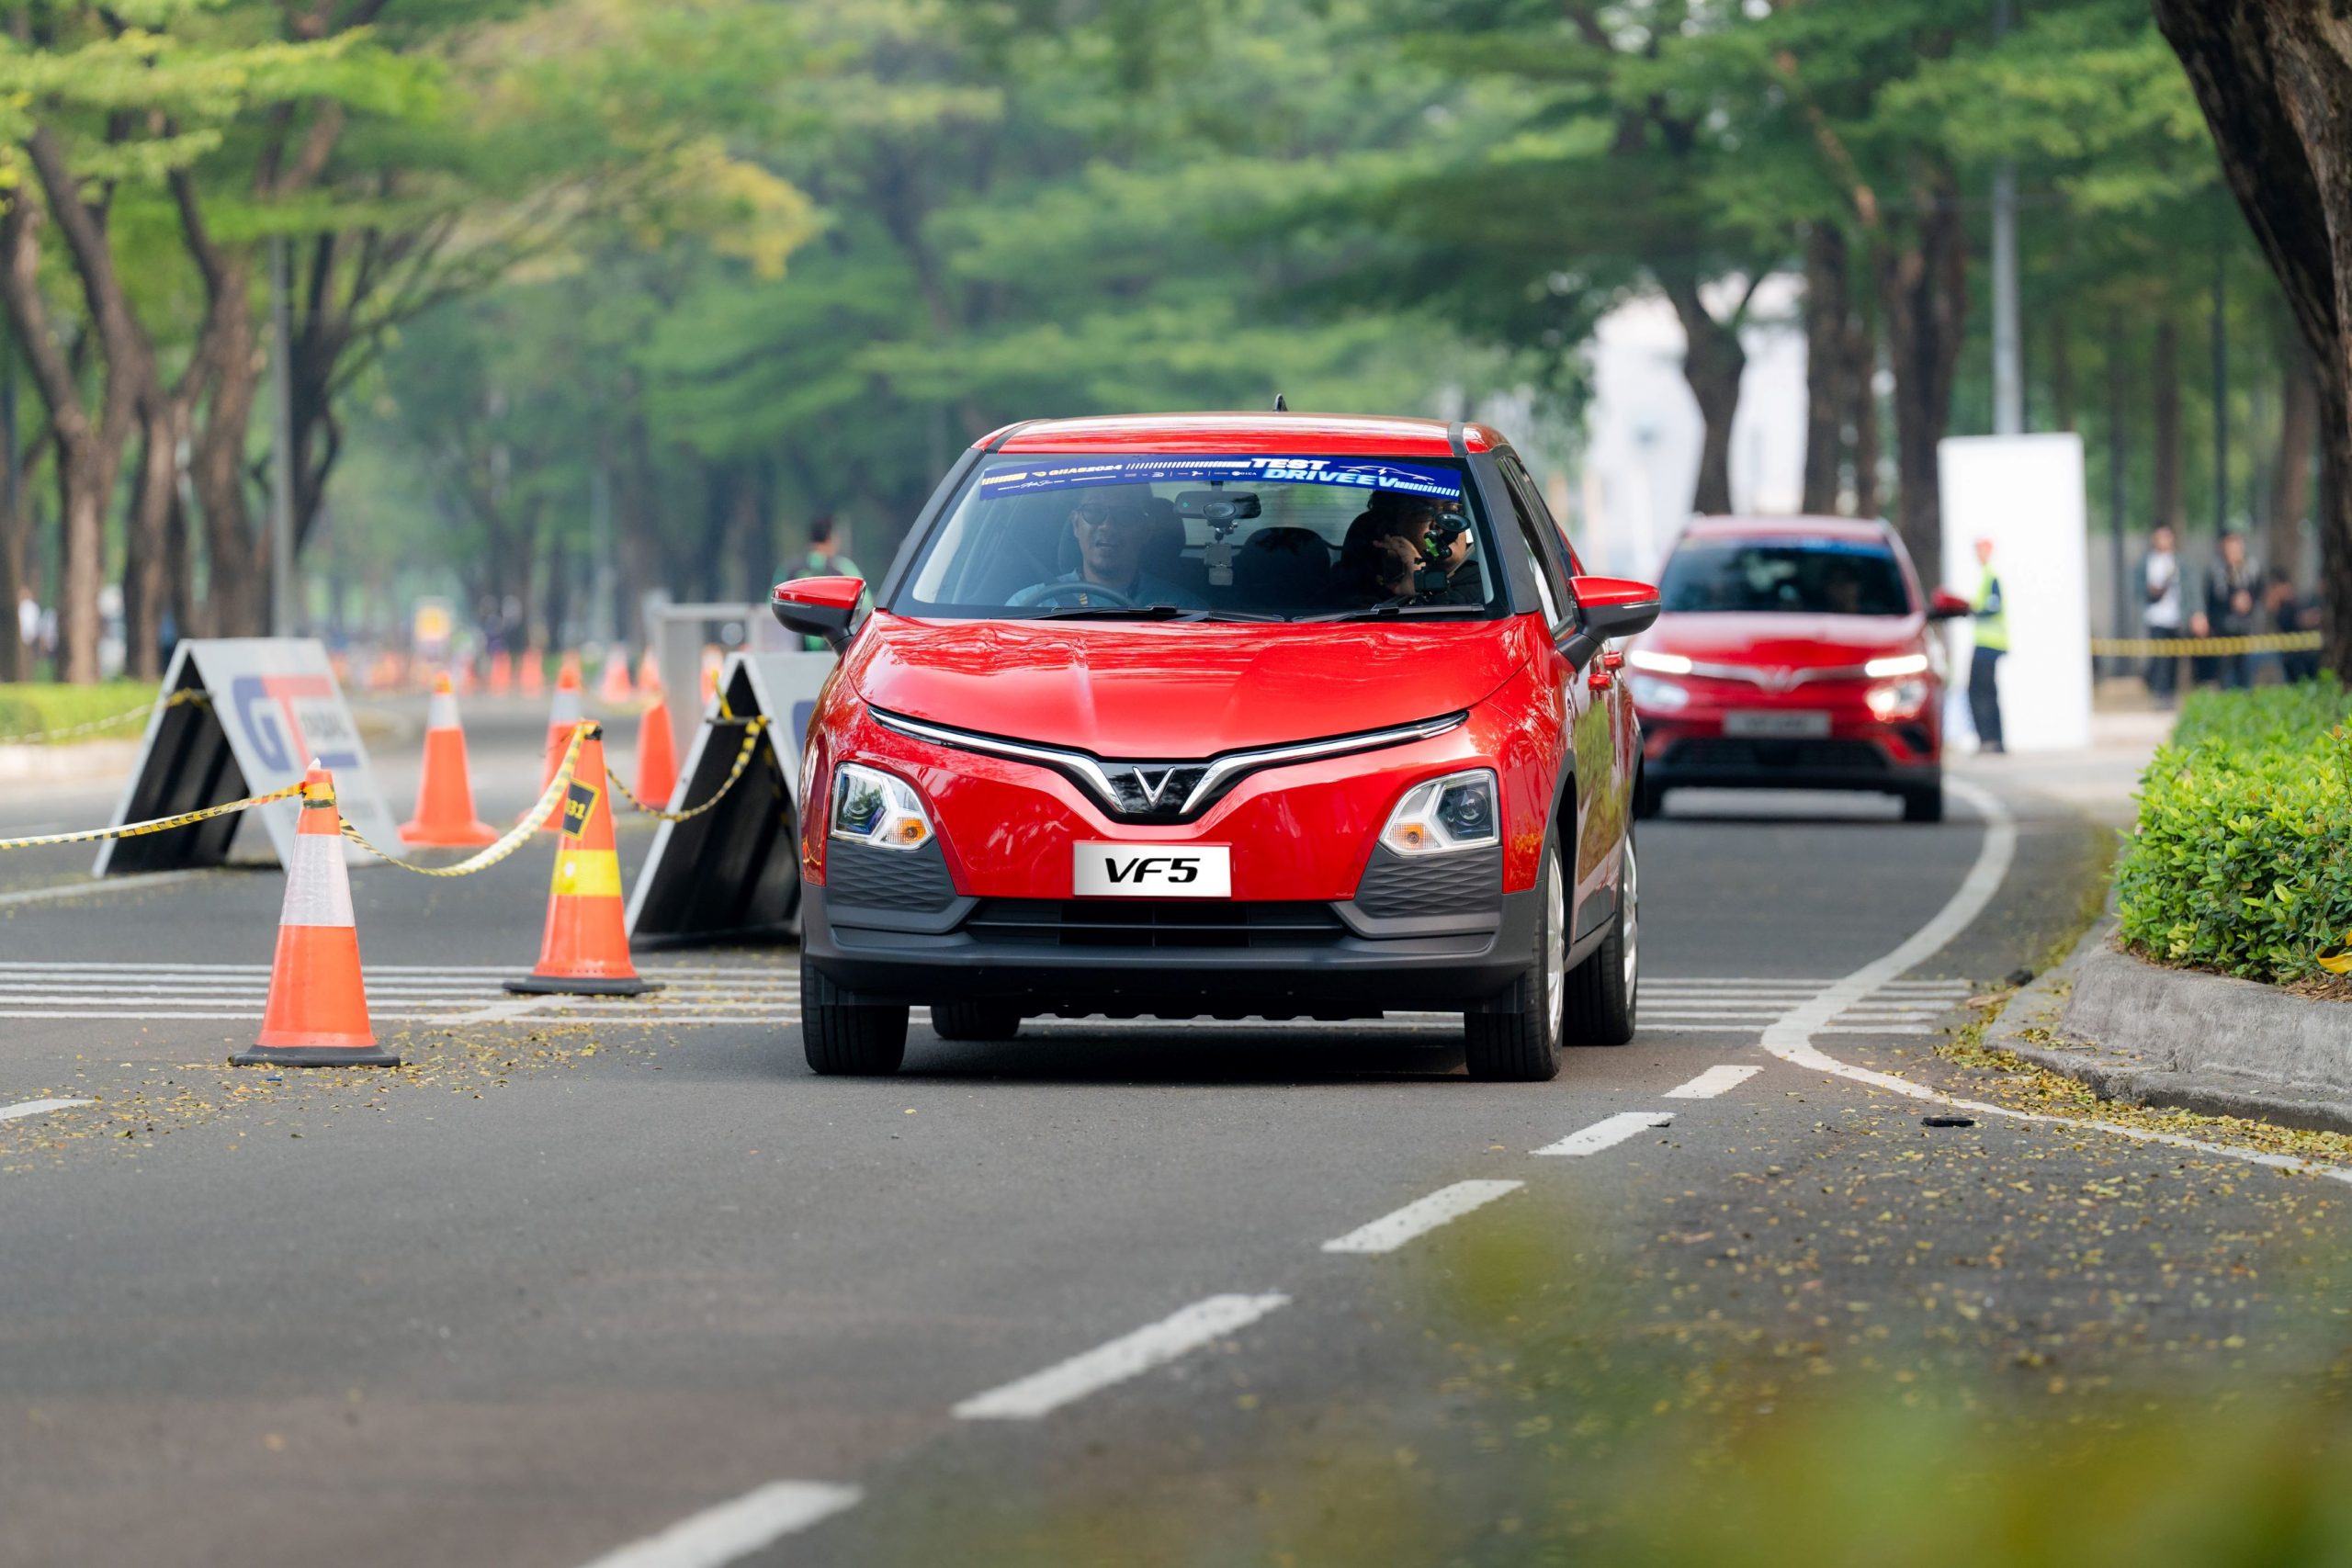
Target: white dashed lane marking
1130	1355
1712	1082
734	1530
1421	1216
25	1107
1608	1132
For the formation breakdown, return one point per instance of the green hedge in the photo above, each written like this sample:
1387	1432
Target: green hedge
36	708
2241	858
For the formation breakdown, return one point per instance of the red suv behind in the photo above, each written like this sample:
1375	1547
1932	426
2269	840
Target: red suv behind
1793	653
1231	715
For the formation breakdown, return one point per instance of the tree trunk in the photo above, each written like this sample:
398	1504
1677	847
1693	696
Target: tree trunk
1712	363
2168	505
146	587
1861	354
2291	490
236	600
1923	287
1831	383
2062	373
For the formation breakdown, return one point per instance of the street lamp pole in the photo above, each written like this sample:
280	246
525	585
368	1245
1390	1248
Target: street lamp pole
2008	373
283	605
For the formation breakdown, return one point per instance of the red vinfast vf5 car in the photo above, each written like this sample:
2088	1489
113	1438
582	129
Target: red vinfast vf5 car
1793	653
1229	715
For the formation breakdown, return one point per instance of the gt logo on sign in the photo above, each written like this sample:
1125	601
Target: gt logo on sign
1136	871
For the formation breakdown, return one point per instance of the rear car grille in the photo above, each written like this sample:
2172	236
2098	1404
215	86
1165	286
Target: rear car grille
1154	923
1765	756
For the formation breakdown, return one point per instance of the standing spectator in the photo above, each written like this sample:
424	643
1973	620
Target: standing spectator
2288	614
2230	590
828	556
27	622
1992	642
2160	612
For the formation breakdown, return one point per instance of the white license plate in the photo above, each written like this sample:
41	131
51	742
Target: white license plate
1797	724
1154	870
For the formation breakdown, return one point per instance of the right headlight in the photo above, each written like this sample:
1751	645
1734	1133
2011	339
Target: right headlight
872	808
1657	694
1459	811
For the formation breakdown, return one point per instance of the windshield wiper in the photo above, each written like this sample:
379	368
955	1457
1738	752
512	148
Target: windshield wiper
1392	608
1116	613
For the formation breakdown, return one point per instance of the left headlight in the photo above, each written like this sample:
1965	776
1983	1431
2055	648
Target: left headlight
1896	697
1456	812
872	808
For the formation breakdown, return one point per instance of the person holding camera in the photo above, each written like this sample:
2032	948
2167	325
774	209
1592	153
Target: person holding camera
1412	549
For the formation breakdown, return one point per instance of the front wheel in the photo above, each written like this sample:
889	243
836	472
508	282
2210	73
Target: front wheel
1520	1042
1925	804
1604	989
844	1039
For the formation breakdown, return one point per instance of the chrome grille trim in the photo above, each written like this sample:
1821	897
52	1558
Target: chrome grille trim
1224	767
1779	677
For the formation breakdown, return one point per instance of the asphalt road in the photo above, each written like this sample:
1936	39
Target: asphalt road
631	1280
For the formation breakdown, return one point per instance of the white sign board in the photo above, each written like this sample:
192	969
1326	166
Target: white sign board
2024	494
274	704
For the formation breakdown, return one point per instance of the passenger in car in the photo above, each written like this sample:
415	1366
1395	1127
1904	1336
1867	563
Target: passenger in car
1387	555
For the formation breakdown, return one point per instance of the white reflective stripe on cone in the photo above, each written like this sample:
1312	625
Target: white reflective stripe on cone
442	712
317	893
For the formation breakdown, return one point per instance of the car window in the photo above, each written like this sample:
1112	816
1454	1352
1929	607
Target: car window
1812	577
1200	537
1534	524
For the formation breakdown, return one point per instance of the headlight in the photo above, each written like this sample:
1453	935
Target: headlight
1661	696
872	808
1456	812
1660	663
1898	697
1896	664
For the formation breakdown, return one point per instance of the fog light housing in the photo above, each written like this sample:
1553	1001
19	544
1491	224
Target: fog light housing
1460	811
1896	697
872	808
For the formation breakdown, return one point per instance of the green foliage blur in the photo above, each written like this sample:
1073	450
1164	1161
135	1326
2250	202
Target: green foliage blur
2241	859
43	711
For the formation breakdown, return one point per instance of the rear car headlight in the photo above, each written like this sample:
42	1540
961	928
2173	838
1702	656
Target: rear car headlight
1660	695
1896	697
1456	812
872	808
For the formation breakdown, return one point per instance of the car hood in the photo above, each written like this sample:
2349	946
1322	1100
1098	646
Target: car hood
1783	642
1122	689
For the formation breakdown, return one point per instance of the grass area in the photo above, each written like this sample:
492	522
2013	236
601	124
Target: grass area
37	708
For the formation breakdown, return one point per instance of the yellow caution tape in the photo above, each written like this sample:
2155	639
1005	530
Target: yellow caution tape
2337	957
161	824
43	737
752	729
515	837
2201	647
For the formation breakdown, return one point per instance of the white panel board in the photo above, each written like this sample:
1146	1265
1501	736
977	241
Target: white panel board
2024	493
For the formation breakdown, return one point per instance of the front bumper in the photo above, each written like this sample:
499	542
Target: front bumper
1725	762
1170	959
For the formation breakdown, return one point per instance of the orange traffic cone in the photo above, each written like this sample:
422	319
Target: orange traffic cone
616	689
648	674
533	672
317	1013
585	951
501	674
445	793
657	754
712	662
563	717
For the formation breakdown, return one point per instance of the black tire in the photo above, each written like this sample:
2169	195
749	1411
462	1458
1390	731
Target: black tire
1650	799
847	1040
1925	804
1604	991
1520	1042
975	1021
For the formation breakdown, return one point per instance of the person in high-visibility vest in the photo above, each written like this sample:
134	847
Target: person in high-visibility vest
1992	642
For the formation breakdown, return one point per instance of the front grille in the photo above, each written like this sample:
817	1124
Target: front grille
1732	755
1154	923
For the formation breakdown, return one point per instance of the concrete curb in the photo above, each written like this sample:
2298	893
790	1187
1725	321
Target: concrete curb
84	762
2183	1039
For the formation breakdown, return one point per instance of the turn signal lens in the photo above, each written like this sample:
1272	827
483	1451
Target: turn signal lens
872	808
1457	812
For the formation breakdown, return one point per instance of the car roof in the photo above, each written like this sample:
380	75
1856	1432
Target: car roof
1862	530
1340	434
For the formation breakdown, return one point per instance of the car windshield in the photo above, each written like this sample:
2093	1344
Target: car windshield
1810	577
1205	537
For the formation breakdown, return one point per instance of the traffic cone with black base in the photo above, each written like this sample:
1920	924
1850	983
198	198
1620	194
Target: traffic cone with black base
317	1013
445	793
585	951
563	717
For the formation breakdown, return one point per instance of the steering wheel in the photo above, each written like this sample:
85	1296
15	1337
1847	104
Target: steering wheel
1038	593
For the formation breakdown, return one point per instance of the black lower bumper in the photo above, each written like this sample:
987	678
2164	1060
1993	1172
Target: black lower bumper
1710	763
1448	962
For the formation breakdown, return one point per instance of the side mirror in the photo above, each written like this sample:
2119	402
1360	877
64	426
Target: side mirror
1608	608
819	606
1944	604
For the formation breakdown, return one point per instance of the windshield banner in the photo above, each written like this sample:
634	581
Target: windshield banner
1078	473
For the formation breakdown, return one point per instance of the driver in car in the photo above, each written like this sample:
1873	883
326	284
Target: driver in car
1111	526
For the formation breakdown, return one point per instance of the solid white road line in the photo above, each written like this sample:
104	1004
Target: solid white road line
735	1529
1791	1038
1155	1345
24	1108
1607	1131
1421	1216
1712	1082
101	884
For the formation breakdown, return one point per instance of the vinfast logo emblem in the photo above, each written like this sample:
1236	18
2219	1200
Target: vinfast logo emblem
1147	789
1778	680
1152	793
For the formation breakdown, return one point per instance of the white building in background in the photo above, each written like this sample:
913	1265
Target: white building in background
1640	454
